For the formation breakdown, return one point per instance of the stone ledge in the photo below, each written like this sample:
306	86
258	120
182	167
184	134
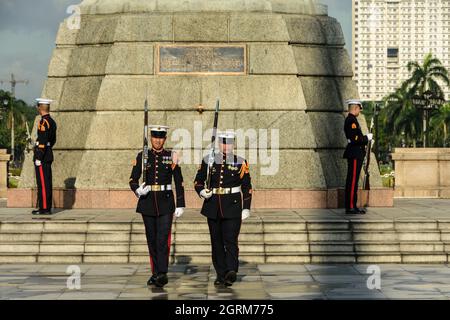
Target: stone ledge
269	6
262	199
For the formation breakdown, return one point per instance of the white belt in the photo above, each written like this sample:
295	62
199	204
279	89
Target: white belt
48	144
157	187
226	190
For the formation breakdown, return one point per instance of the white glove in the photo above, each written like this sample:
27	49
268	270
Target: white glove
142	190
370	136
206	194
245	214
38	163
178	212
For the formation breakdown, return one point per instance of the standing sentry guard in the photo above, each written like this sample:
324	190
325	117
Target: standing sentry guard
43	157
354	153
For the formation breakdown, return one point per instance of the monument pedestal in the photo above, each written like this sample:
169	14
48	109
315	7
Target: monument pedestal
281	72
422	172
4	159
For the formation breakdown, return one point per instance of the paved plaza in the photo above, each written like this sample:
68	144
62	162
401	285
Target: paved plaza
256	280
304	282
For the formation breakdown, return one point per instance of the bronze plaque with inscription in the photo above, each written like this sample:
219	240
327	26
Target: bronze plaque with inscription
220	59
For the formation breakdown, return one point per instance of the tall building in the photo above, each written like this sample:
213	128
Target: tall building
387	34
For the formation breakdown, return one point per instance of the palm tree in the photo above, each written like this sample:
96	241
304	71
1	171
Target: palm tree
401	117
427	76
440	123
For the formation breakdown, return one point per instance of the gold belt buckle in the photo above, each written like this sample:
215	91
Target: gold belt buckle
222	190
156	188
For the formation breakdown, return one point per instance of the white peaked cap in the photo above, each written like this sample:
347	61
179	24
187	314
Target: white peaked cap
354	101
158	128
44	101
227	135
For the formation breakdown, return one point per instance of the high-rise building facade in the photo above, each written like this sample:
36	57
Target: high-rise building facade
387	34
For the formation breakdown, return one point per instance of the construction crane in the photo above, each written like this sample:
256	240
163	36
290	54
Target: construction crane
13	82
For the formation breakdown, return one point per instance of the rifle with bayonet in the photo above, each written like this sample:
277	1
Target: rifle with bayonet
212	154
29	142
366	180
145	147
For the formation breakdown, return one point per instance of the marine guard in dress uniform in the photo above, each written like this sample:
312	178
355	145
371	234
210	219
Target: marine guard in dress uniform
156	201
354	153
43	157
225	205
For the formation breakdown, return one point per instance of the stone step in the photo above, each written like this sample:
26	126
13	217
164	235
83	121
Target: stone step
22	226
25	247
372	225
61	248
328	236
108	236
249	226
268	240
17	257
419	236
392	236
425	257
118	247
300	247
291	248
416	225
331	247
282	225
64	237
15	236
315	225
205	258
67	226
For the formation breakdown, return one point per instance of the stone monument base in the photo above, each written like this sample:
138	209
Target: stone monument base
262	199
422	172
4	159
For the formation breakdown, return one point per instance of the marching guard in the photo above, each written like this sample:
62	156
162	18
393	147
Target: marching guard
157	202
226	204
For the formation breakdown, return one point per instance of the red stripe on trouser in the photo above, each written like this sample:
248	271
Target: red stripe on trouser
169	243
152	265
44	192
352	192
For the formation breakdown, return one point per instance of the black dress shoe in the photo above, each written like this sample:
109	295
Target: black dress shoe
161	280
41	212
352	211
152	280
230	278
361	211
219	282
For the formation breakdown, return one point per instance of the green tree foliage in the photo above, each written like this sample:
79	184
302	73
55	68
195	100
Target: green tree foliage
402	121
22	113
440	124
426	76
401	118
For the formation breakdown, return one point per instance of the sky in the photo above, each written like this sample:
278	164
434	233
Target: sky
28	31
